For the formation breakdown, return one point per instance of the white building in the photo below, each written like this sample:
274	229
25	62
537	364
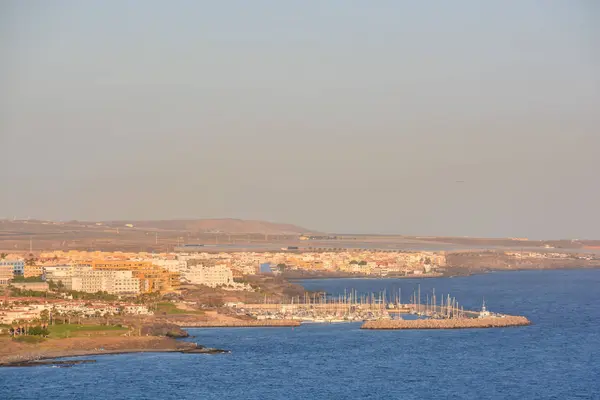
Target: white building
86	279
170	265
209	275
59	273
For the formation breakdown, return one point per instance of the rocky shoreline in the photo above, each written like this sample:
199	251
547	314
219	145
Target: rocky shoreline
53	363
157	337
51	360
30	355
461	323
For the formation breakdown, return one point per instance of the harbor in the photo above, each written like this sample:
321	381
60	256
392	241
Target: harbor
380	310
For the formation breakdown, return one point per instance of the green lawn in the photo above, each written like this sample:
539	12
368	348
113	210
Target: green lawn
170	308
66	330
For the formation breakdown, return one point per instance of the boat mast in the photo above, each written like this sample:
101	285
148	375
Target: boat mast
419	289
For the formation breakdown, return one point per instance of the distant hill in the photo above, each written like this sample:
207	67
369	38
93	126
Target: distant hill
226	225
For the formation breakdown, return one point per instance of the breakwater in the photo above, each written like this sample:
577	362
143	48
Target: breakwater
457	323
239	324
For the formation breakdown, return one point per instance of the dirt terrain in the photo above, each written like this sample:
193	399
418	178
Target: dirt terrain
222	225
11	351
213	319
274	288
512	243
234	235
466	263
157	236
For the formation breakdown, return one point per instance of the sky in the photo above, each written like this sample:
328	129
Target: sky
461	118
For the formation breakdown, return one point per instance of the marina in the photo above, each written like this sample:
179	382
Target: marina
352	306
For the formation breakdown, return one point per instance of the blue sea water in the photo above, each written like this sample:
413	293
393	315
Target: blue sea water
555	358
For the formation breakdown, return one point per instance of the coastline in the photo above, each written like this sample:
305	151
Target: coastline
14	352
11	352
83	353
453	272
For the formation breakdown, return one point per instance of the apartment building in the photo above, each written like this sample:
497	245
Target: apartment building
30	271
212	276
152	278
86	279
17	265
19	314
59	273
170	265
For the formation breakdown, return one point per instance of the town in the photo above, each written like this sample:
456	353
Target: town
96	284
123	277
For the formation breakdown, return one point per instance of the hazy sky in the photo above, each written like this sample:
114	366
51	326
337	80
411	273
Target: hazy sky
343	116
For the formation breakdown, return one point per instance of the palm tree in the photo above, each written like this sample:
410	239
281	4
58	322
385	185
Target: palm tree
53	314
45	316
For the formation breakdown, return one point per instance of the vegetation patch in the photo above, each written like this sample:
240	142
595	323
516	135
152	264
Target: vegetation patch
29	339
170	308
22	279
70	330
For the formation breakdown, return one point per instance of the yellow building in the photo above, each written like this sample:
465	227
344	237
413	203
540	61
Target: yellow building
32	270
6	274
152	278
174	280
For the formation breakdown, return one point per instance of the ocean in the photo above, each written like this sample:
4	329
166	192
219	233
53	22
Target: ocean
558	357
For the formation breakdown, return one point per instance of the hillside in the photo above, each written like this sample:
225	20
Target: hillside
224	225
132	235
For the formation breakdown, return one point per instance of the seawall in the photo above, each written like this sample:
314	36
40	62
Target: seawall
238	324
462	323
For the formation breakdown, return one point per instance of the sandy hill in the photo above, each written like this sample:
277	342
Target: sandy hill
227	225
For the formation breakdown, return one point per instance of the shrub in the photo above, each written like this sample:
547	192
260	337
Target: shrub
38	331
29	339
